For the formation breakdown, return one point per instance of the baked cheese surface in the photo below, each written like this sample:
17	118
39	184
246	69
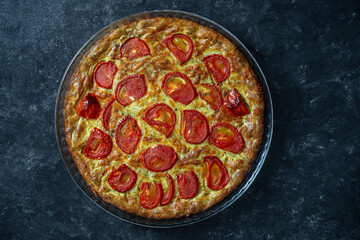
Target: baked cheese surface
154	67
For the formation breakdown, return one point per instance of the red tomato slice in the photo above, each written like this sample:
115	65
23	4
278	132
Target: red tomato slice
179	87
134	48
98	145
89	107
159	159
194	126
211	94
161	117
234	104
167	197
106	113
218	66
122	179
188	184
150	194
226	137
130	89
127	134
180	45
104	74
217	176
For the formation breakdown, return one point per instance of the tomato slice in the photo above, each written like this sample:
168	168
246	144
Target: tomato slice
179	87
226	137
217	176
127	134
104	74
89	107
194	126
134	48
98	145
161	117
150	194
218	66
180	45
122	179
211	94
130	89
167	197
159	159
188	184
106	113
234	104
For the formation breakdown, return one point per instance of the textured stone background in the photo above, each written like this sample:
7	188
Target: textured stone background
309	187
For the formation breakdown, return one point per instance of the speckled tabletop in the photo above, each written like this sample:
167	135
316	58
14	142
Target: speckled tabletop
309	187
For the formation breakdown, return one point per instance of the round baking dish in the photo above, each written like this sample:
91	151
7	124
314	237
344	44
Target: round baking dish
165	223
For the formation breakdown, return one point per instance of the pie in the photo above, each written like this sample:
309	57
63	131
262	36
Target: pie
163	117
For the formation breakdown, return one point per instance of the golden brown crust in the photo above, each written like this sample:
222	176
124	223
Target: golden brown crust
152	31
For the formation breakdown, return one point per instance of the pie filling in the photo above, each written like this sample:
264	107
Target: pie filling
163	117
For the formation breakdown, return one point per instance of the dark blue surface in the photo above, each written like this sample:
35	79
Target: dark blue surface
309	187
